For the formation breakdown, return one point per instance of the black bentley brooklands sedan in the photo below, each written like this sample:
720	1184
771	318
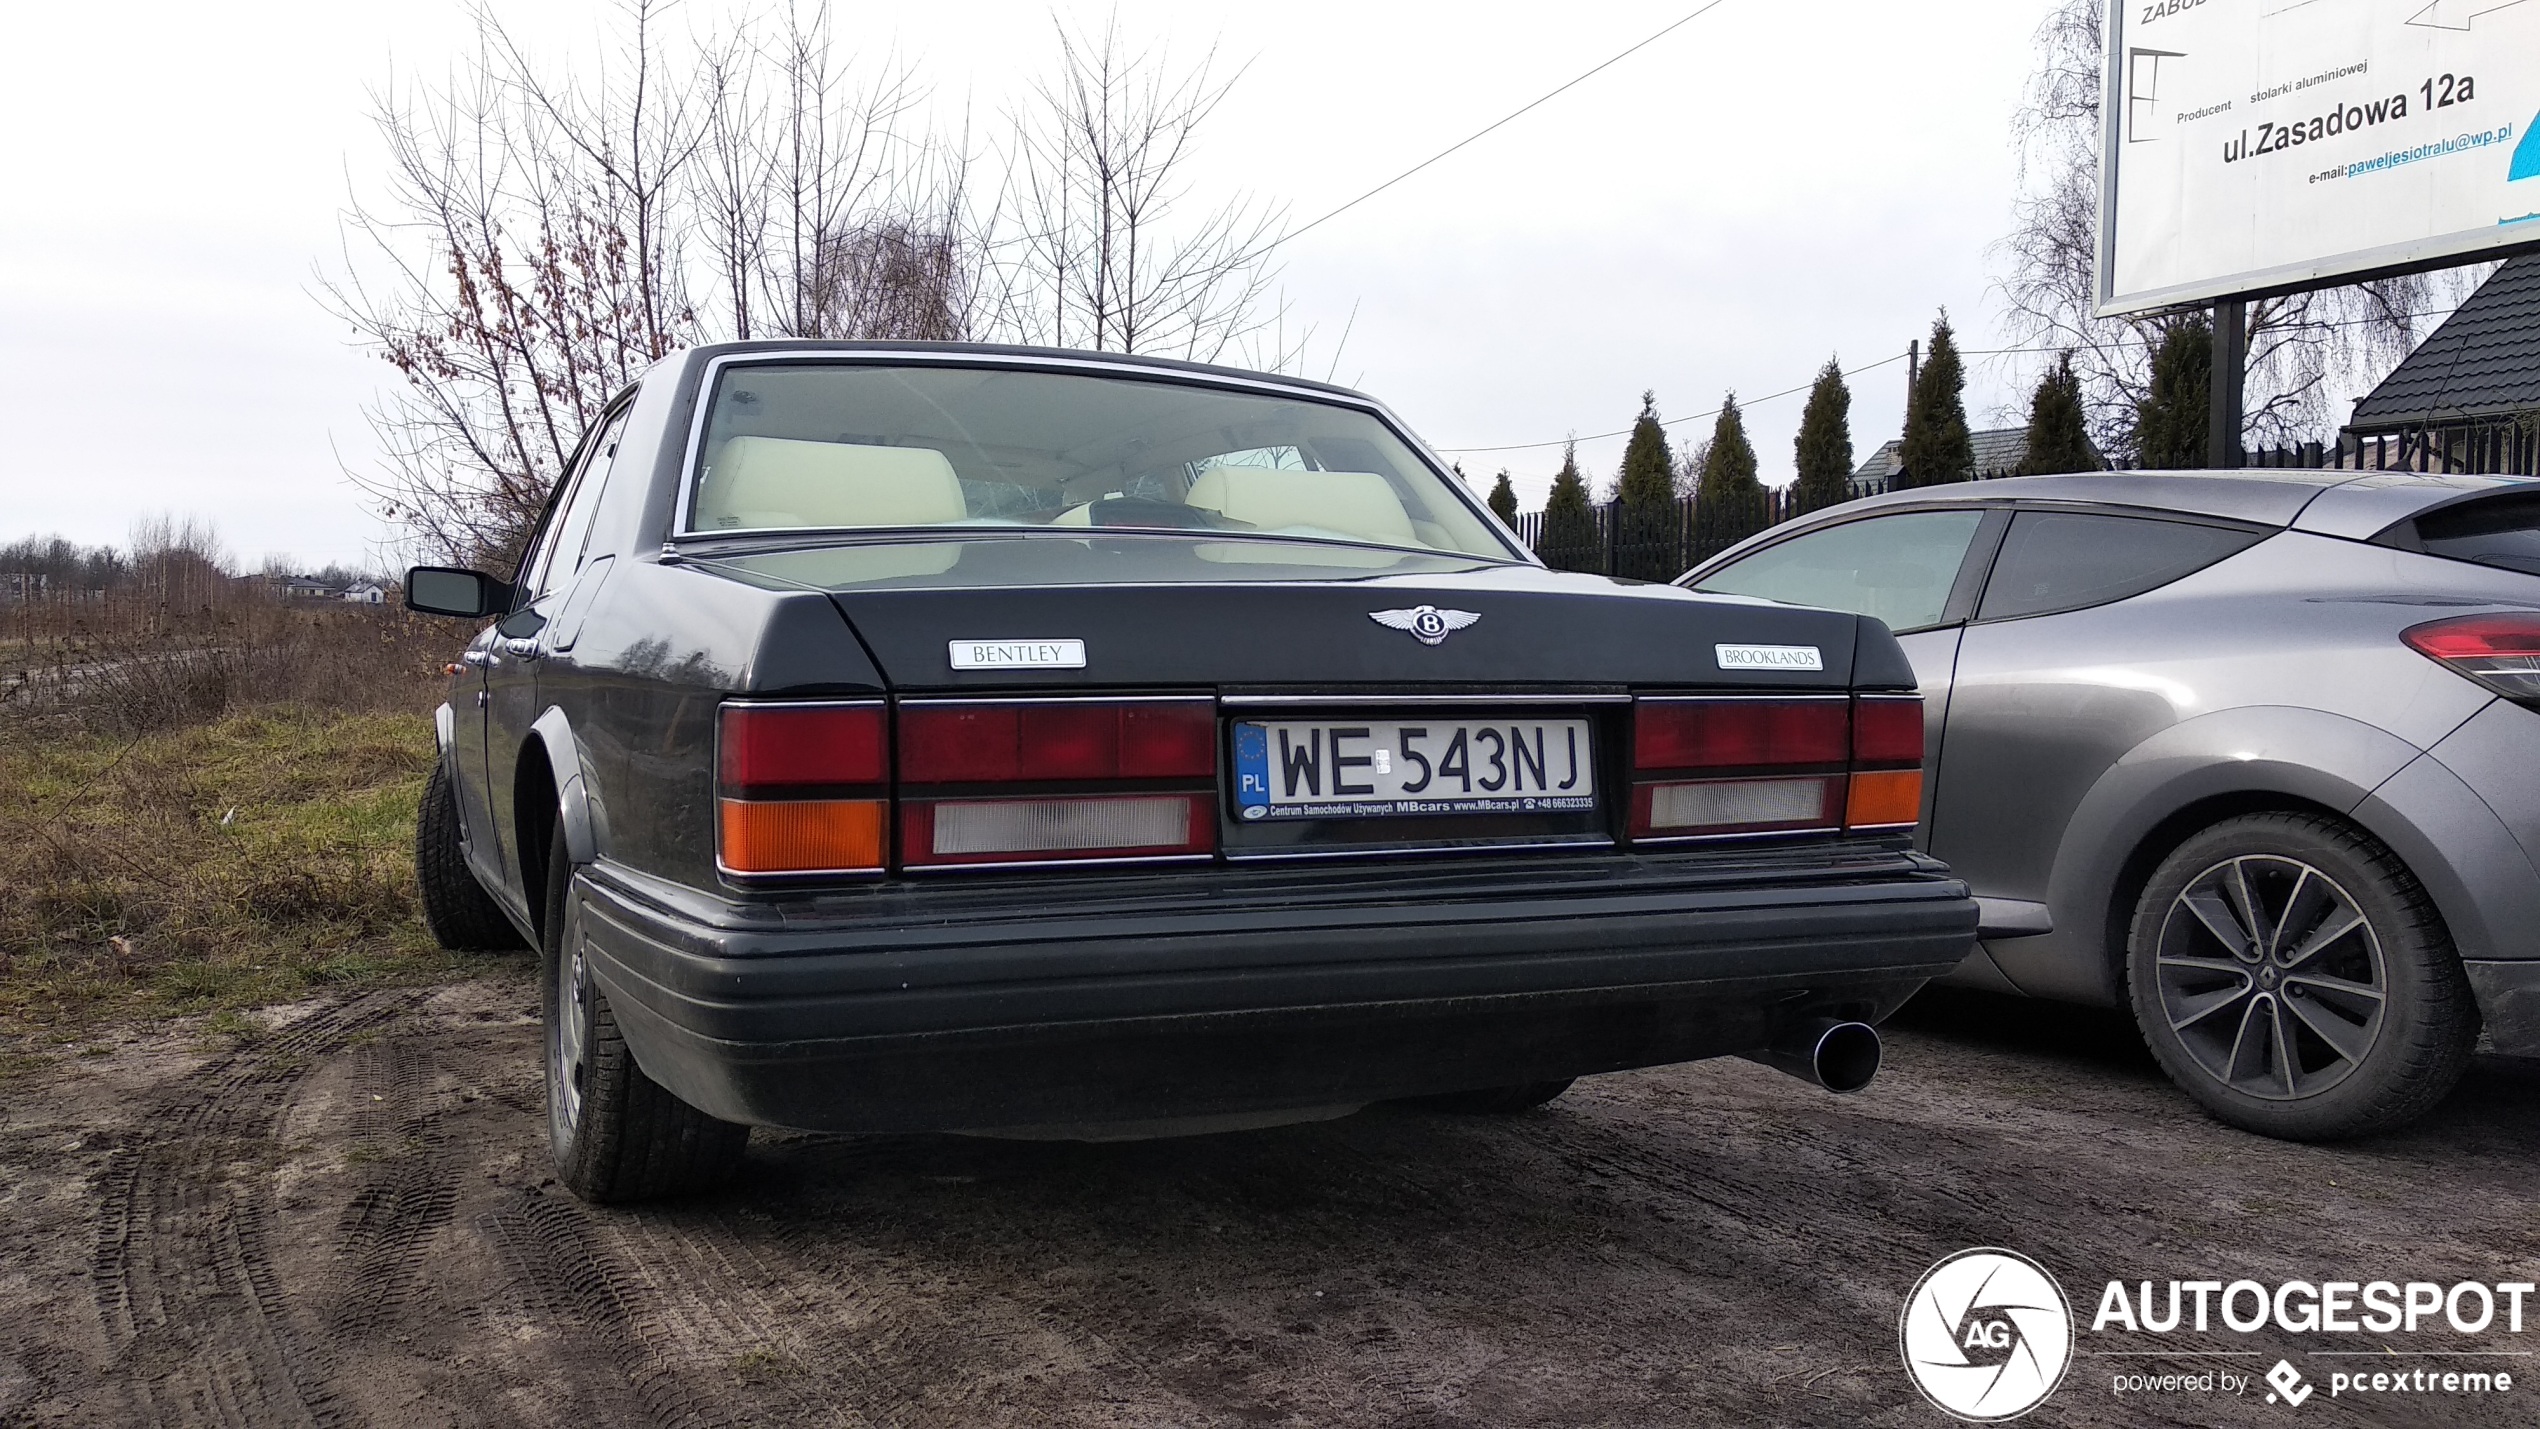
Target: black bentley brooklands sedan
887	737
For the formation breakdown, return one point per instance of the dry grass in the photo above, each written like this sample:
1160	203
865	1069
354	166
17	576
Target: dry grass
204	815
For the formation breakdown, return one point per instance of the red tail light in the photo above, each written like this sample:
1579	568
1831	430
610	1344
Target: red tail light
1886	791
1056	781
2501	652
801	788
1799	765
1775	766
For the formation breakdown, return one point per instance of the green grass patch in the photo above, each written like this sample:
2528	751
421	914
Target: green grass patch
209	868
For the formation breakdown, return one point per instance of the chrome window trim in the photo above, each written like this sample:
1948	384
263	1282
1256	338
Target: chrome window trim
714	367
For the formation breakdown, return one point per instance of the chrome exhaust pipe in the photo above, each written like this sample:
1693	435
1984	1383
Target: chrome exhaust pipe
1838	1056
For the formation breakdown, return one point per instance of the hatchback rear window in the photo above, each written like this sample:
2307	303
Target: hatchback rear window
2501	531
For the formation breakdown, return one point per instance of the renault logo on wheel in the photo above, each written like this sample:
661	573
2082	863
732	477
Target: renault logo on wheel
1986	1335
1425	623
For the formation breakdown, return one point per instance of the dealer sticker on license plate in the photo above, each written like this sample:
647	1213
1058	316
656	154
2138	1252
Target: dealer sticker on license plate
1293	769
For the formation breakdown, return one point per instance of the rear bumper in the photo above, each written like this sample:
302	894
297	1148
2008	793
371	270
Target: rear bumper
963	1005
2508	996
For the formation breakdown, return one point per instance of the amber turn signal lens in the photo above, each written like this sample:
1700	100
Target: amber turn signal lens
1885	798
802	835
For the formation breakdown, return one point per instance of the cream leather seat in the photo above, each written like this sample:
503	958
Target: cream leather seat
759	482
1357	504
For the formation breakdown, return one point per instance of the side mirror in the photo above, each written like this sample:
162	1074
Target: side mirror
447	590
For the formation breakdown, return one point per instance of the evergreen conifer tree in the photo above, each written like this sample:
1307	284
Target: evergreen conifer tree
1568	541
1824	447
2169	423
2058	439
1503	501
1936	447
1645	501
1728	467
1648	465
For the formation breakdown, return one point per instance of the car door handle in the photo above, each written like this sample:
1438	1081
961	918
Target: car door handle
479	658
523	647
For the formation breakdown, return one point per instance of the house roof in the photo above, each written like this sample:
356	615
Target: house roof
2484	361
1997	452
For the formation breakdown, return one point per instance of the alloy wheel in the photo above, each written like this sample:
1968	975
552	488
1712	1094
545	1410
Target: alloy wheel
572	1030
2272	977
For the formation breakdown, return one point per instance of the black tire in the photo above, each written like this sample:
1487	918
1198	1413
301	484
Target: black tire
615	1134
2339	1034
457	911
1495	1101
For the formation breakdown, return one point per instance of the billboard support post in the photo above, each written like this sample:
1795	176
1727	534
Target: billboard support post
2230	377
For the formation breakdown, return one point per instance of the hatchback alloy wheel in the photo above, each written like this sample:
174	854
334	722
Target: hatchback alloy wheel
2292	975
2272	977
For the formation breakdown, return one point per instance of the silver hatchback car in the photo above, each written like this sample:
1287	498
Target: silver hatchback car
2256	754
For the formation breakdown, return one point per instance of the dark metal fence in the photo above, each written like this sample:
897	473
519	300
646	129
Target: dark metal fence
1654	542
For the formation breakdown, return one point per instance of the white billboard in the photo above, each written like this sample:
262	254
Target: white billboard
2258	145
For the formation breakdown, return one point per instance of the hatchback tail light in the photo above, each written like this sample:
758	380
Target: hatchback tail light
802	788
1056	781
1734	766
2501	652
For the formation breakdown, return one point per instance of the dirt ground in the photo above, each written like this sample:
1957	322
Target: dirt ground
348	1220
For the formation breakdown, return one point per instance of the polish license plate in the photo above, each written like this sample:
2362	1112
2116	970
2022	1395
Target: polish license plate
1386	768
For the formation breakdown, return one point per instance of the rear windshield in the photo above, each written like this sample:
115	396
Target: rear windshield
2499	531
828	446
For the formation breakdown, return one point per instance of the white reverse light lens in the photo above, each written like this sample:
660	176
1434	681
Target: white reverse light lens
1061	825
1737	802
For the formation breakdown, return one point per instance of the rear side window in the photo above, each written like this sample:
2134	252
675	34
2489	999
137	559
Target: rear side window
2501	531
2064	560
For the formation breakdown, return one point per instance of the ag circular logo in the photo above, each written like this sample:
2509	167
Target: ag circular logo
1986	1335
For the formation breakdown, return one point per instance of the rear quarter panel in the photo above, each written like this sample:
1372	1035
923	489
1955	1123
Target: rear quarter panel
2277	672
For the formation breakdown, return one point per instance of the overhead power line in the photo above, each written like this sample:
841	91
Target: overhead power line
1868	367
1499	123
1673	421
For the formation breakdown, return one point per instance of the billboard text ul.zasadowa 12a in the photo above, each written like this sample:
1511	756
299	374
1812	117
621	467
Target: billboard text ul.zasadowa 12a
2271	144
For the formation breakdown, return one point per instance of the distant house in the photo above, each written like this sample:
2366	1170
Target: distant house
306	588
367	593
2000	452
2468	399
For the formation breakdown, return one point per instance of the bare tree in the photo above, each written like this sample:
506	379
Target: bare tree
1106	259
525	264
2300	346
544	236
825	217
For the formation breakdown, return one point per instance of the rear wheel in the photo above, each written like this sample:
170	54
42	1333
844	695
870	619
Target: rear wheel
2292	976
616	1134
1496	1101
457	910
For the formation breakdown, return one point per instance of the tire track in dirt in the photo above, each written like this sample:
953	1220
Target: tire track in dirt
562	1264
406	1195
197	1323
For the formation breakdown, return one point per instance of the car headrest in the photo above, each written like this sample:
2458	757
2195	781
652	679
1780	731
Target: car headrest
758	482
1359	504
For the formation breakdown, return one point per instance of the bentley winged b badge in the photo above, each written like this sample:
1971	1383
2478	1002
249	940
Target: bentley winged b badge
1425	623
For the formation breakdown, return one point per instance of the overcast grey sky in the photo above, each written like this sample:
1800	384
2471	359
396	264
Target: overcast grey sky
1778	181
